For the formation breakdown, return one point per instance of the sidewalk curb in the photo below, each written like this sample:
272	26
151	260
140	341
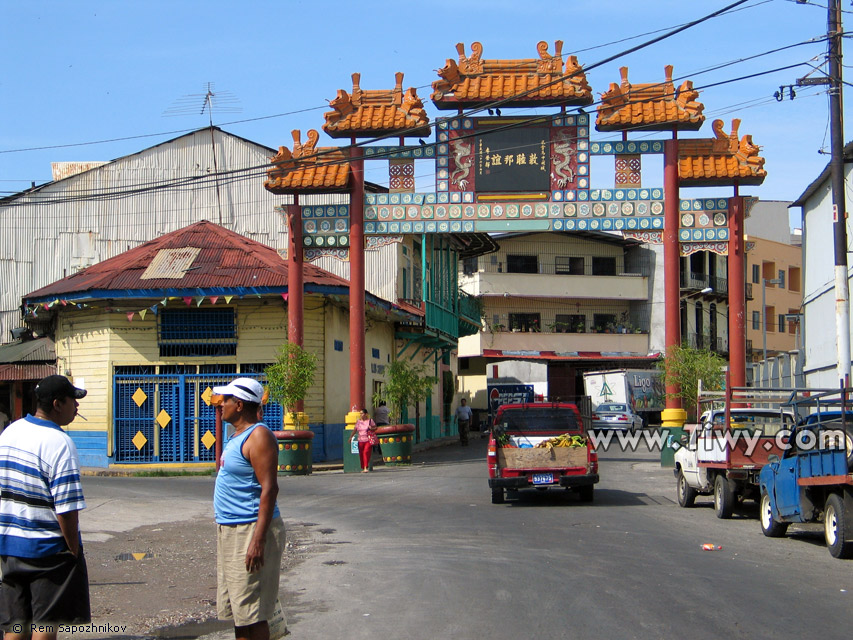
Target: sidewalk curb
318	467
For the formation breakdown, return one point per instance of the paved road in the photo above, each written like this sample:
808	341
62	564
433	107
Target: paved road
421	552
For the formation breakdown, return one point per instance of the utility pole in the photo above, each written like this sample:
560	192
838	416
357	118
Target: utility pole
839	209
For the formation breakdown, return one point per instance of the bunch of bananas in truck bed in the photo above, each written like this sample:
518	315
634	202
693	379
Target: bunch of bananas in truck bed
565	440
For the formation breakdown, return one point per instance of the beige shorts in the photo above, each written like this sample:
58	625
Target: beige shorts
246	597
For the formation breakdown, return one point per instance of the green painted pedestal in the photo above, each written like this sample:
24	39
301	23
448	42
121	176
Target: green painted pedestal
396	442
294	452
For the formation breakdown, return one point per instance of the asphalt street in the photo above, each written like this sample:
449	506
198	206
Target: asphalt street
420	552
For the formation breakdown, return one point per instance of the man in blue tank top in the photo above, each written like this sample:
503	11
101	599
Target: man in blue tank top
250	532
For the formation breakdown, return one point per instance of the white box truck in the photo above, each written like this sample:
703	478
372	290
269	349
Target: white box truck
643	389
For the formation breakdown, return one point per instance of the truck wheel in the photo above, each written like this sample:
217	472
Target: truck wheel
586	493
497	496
836	527
686	494
770	527
724	497
848	445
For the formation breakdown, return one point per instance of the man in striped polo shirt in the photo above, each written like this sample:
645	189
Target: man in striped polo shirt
45	581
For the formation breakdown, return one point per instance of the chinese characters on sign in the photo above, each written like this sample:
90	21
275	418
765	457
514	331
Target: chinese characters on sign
513	160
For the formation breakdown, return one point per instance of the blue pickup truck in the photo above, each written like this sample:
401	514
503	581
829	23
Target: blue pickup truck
812	482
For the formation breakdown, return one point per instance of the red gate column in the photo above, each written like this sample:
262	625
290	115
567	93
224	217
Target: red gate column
737	294
295	288
674	415
356	287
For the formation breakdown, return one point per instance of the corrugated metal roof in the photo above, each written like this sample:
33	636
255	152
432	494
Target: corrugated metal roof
38	350
225	259
9	372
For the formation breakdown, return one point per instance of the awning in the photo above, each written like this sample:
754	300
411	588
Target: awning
507	354
10	372
27	360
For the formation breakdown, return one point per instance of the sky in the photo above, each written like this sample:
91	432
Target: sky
93	81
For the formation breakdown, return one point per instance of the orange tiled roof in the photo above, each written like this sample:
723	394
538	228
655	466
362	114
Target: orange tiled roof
307	168
653	107
377	113
720	161
474	82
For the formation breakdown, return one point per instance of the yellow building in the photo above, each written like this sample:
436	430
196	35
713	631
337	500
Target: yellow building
149	332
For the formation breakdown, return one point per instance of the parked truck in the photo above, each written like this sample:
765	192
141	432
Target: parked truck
641	389
540	445
811	480
724	453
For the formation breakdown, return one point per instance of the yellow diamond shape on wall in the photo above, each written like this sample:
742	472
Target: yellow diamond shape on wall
139	397
207	395
208	439
139	440
163	418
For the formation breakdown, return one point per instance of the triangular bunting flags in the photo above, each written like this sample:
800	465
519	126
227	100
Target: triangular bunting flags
213	299
130	316
199	301
228	299
188	300
284	297
142	313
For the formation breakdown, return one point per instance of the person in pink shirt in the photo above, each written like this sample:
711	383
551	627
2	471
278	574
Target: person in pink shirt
365	430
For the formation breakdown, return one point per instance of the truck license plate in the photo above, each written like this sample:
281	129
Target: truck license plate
543	478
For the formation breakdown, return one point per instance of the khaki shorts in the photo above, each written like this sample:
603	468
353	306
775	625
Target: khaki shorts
245	597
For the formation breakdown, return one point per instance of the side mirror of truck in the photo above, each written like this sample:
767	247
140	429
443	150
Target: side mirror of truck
772	458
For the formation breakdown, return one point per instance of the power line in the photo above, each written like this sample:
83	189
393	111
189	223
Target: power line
669	32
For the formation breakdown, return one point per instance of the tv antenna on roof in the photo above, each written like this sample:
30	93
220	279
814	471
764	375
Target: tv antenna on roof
197	103
221	101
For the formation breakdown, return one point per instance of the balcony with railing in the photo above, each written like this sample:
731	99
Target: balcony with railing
592	329
715	344
692	281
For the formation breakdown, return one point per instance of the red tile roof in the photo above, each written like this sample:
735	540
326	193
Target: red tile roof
720	161
214	257
526	82
308	169
377	113
651	107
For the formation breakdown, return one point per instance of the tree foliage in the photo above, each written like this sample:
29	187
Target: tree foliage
407	384
685	366
291	375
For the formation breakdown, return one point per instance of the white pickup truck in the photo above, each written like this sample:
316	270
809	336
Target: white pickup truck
725	459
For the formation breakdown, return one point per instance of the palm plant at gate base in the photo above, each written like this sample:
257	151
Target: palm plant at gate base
290	377
685	366
407	384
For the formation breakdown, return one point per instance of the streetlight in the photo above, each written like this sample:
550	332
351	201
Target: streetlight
764	283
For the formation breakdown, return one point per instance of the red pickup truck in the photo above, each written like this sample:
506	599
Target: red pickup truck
540	445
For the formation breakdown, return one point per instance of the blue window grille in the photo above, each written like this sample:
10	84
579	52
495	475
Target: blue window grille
197	333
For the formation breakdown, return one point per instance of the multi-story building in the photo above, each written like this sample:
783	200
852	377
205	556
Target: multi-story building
774	281
557	304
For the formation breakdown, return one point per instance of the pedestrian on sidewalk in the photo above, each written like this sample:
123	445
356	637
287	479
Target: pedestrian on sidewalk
45	580
381	415
365	431
463	419
382	418
250	532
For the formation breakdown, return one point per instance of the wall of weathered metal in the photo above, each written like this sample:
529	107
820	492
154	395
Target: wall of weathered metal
59	228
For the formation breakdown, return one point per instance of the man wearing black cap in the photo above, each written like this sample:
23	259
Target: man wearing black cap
45	581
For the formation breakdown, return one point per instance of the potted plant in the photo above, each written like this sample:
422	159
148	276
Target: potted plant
407	384
288	381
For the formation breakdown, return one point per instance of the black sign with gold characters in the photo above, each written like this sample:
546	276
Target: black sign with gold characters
513	160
